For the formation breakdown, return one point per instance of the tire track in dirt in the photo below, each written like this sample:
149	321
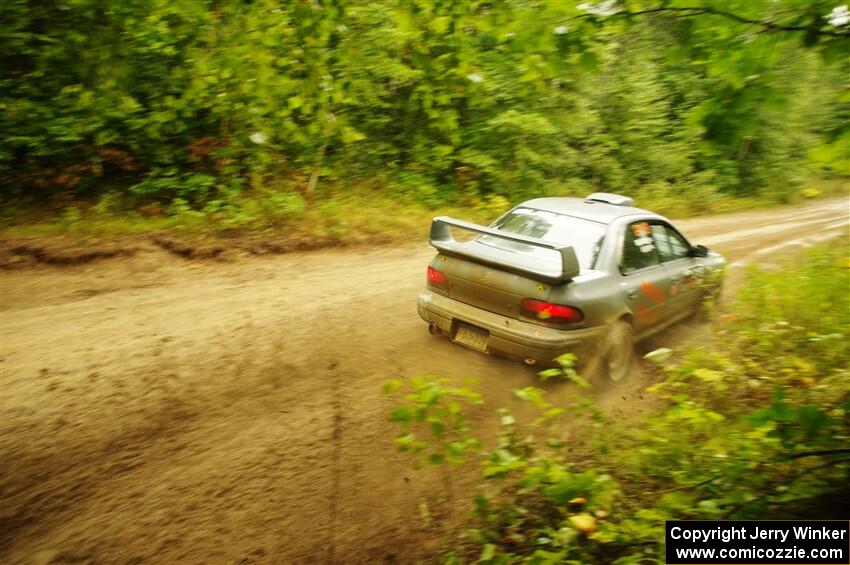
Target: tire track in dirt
336	442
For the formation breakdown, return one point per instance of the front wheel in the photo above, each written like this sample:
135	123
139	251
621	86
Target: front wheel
706	308
616	354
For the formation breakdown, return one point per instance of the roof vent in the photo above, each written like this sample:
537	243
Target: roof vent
608	198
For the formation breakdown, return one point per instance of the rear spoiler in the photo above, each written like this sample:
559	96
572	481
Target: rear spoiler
442	240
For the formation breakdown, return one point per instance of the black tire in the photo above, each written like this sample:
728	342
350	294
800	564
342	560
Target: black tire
616	355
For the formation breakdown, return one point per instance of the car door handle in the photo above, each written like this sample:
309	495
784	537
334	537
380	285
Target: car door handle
632	294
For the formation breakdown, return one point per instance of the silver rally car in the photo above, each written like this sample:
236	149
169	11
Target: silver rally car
558	275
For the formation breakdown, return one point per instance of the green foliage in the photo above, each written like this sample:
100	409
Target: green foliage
431	415
442	101
754	427
175	185
565	370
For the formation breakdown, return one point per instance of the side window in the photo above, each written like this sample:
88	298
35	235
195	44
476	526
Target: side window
662	242
680	246
670	244
639	251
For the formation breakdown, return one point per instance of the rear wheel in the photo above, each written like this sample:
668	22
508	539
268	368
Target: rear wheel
616	354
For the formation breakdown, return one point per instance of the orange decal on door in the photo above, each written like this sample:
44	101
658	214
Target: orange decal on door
652	292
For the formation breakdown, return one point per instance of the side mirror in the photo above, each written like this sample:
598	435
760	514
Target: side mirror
698	251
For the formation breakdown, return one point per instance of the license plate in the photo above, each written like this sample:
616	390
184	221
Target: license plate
472	337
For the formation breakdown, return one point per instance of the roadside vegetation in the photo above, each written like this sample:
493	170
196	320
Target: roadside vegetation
751	424
340	119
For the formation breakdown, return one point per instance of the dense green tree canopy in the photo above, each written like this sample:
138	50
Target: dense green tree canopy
203	99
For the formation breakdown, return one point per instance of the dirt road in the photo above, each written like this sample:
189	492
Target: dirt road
159	410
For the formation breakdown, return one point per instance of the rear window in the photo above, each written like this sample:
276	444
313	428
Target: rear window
584	236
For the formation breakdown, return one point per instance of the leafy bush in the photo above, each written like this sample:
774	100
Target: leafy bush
172	184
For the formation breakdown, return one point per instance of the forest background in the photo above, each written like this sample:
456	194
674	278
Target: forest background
338	119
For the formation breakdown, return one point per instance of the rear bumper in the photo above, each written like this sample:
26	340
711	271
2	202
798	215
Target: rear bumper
509	337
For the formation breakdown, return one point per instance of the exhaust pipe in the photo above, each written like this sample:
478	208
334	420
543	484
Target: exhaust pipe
529	361
433	329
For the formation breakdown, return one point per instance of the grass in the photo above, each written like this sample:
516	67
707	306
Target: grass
336	216
334	219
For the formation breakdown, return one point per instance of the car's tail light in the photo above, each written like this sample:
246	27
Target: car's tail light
437	279
553	313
